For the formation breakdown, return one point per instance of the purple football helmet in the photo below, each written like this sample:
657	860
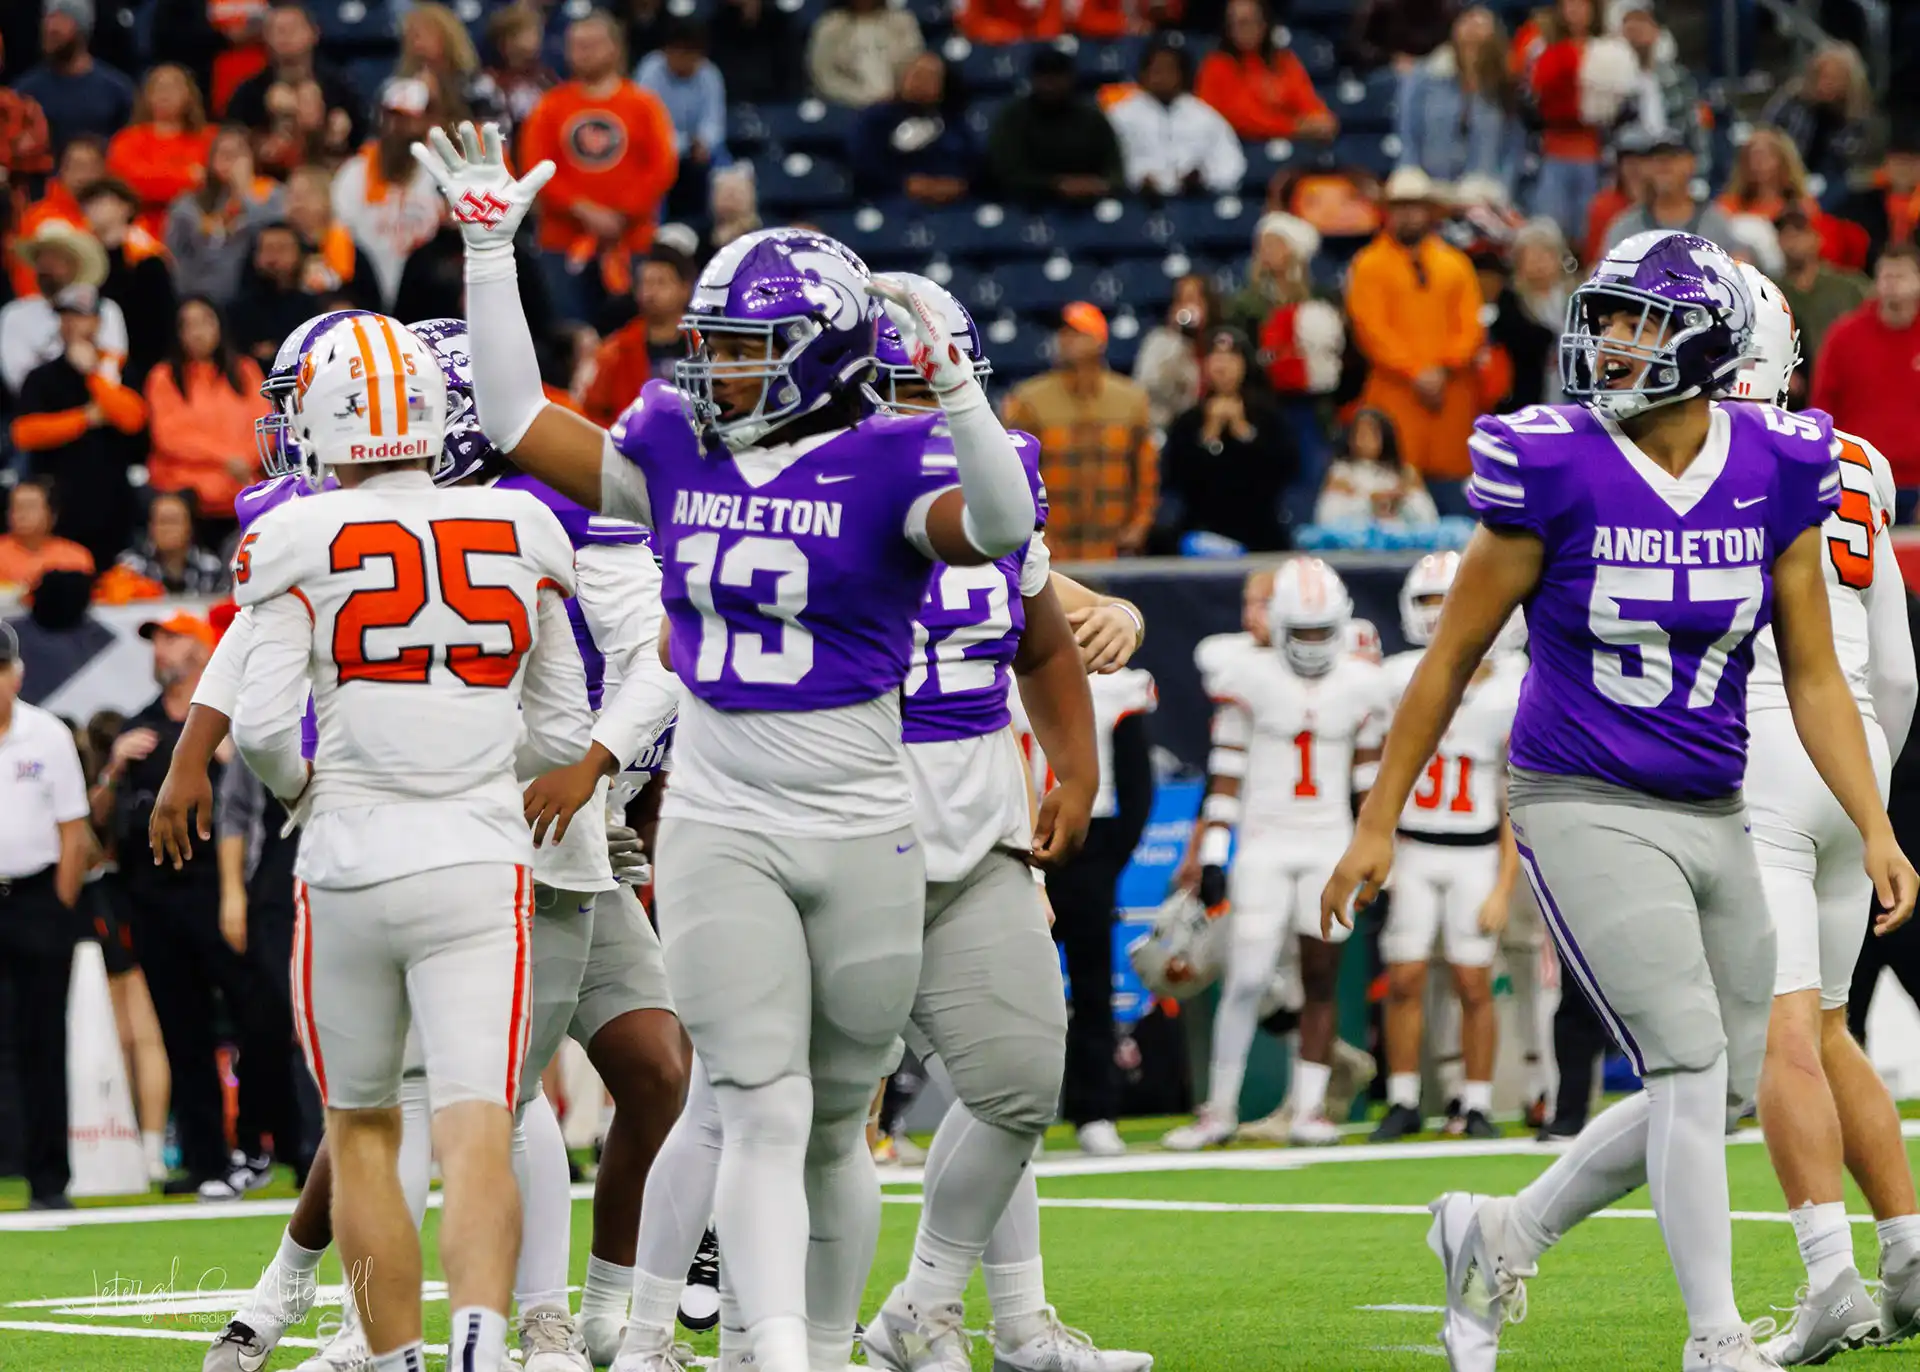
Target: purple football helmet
890	351
272	433
803	297
467	449
1694	329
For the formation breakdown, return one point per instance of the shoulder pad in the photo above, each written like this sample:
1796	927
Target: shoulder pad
271	557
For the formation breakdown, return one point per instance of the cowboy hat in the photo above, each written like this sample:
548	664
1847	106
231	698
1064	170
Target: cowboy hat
1411	184
90	259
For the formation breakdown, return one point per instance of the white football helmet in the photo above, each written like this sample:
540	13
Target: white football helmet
1185	952
1308	613
1776	343
369	390
1363	640
1422	594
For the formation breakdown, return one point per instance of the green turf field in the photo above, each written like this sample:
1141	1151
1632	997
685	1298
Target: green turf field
1248	1260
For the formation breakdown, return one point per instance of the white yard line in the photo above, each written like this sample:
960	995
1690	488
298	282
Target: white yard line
131	1331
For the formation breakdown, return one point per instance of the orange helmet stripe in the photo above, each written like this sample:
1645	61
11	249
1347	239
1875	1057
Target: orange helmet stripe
373	378
399	377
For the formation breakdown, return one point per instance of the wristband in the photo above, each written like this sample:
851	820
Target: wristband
1215	844
1221	808
1139	624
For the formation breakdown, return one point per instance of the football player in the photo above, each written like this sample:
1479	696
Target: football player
430	623
798	539
1455	870
1295	735
1821	1102
1650	530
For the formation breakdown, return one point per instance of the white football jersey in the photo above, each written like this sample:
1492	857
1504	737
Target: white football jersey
431	627
1116	695
1850	532
1300	732
1462	787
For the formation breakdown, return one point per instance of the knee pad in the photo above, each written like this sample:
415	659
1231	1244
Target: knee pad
777	1115
1021	1096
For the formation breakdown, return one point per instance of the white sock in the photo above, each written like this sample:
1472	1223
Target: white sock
1309	1088
733	1329
479	1338
762	1193
1606	1161
972	1172
1017	1291
1251	956
1403	1088
656	1300
411	1358
546	1208
780	1343
1826	1241
416	1146
294	1257
1687	1179
843	1207
1477	1095
1902	1231
153	1142
606	1288
677	1205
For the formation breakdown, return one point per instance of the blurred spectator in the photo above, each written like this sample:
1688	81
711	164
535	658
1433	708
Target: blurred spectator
1457	106
44	848
30	547
382	197
137	282
1400	32
1171	142
1259	85
1864	373
1302	337
82	163
1825	110
1512	364
433	281
1620	192
1889	206
643	25
1052	143
1097	452
1167	367
78	93
1227	459
1542	284
1670	202
1415	306
210	230
58	255
612	144
162	154
26	144
272	299
1767	177
1570	138
435	44
166	554
995	23
1818	293
917	144
649	344
204	399
71	413
219	42
298	105
857	48
1367	483
1283	247
735	207
332	262
520	74
695	96
1666	98
753	45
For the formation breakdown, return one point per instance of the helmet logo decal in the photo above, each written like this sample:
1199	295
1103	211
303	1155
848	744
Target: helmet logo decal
486	210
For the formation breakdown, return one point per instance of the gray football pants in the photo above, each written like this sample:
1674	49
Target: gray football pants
1658	915
991	1003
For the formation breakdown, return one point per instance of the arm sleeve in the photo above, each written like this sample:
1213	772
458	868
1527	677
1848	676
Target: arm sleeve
506	370
266	722
1036	568
1891	678
124	408
219	687
622	604
1000	510
553	695
39	432
1498	490
623	486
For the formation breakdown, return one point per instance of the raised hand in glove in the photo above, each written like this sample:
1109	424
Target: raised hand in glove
486	198
930	347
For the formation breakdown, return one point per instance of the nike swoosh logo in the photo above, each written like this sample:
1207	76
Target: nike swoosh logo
833	480
252	1364
1742	504
902	847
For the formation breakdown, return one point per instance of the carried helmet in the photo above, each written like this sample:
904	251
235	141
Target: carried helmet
1692	335
1307	614
893	365
1776	342
467	449
272	434
1422	593
368	390
801	293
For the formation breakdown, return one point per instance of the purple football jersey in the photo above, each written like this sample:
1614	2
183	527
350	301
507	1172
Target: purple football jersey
795	591
248	506
1640	633
969	629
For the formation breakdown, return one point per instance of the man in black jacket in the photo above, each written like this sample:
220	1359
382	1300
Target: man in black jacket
139	284
290	36
1053	145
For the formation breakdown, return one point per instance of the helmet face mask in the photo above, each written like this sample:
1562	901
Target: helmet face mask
1308	615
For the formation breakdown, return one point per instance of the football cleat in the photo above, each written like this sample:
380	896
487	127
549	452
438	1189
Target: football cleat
1099	1139
1209	1129
655	1351
550	1343
279	1300
345	1350
905	1338
1735	1352
1840	1318
1274	1128
1058	1348
1399	1122
1475	1125
1899	1299
700	1298
1353	1072
239	1348
1313	1131
1485	1289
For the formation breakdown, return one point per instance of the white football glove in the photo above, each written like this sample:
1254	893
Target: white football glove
930	347
485	198
629	859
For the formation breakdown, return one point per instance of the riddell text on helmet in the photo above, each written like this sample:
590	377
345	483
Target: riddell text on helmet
377	452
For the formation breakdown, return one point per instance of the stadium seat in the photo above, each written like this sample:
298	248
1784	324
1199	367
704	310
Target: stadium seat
1224	224
1111	229
1143	283
1042	287
1266	157
799	182
1018	350
746	128
1366	106
1375	152
1323	16
368	74
1123	342
985	70
348	26
809	126
1316	53
1098	62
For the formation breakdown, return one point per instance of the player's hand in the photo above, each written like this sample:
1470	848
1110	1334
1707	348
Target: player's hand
486	199
1107	636
628	855
929	346
1894	882
183	808
1494	912
130	747
233	919
554	799
1065	813
1356	882
1212	889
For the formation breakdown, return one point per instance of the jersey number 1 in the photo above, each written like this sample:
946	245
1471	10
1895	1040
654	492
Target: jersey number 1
395	607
